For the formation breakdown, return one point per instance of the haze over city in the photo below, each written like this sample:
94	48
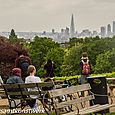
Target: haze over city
45	15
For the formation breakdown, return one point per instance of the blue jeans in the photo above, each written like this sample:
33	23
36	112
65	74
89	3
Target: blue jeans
83	79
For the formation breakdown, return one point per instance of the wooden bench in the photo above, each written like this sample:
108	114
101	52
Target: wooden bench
74	103
17	94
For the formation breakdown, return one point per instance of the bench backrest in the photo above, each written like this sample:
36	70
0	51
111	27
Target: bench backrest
21	90
73	92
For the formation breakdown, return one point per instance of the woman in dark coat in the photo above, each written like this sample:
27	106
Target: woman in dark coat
49	67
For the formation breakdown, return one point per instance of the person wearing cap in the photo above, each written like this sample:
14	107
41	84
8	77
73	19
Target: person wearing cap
16	77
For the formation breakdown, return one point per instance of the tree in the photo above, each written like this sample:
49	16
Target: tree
56	55
105	62
13	37
71	65
8	54
39	49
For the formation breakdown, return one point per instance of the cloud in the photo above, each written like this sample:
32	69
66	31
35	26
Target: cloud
47	14
105	1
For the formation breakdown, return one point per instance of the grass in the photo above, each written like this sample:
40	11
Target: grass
54	114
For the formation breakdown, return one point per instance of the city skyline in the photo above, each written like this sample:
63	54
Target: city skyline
45	15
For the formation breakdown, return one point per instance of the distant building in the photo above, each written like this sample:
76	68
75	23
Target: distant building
103	31
113	27
62	31
67	31
72	28
53	31
86	33
94	34
108	30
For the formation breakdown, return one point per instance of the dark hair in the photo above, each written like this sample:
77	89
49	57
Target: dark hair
19	53
49	62
84	54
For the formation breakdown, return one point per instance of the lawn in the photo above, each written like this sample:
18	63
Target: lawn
54	114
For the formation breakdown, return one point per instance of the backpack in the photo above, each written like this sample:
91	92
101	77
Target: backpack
23	63
86	68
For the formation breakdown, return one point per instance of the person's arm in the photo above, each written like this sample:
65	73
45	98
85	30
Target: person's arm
19	80
17	63
26	80
81	67
29	60
54	66
91	71
45	66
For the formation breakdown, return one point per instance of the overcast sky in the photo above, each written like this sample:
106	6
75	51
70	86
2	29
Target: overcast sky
40	15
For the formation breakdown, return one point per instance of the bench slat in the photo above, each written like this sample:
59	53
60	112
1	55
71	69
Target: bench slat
92	109
27	85
69	90
74	101
23	93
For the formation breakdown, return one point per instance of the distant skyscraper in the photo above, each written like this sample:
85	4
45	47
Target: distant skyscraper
72	28
103	31
67	31
108	30
113	27
53	31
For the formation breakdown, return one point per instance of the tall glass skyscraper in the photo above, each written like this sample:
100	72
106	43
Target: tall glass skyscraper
72	28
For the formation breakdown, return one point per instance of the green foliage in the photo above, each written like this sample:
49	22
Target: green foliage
56	55
102	63
41	72
39	48
105	62
71	65
14	39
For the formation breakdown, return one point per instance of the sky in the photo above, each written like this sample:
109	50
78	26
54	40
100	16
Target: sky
45	15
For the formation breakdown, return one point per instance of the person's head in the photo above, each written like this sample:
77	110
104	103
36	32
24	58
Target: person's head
31	69
84	56
20	53
49	61
16	71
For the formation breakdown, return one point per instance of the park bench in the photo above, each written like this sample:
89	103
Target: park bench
74	103
17	94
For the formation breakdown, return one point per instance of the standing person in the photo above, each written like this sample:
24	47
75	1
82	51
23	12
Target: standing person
85	68
23	62
32	79
49	67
